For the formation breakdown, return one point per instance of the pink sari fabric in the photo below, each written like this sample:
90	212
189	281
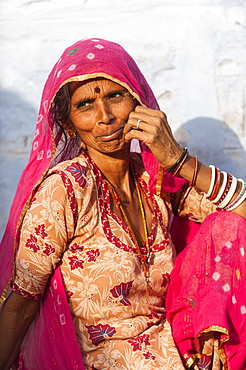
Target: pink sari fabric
84	60
207	290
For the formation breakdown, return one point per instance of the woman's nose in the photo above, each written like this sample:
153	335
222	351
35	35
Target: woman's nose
104	114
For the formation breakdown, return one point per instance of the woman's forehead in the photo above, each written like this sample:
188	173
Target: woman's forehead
95	84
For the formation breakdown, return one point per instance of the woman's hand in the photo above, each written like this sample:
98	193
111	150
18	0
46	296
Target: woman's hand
155	132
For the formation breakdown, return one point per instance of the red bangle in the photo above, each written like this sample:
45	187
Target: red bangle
228	186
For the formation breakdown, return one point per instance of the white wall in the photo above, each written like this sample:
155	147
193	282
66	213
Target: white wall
192	52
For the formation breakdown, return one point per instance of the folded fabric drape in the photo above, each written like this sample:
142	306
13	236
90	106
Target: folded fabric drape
207	288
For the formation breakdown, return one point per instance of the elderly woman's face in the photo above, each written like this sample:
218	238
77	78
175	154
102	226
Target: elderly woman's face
99	111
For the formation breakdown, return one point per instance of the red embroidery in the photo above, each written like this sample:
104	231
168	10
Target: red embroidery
23	293
76	248
48	249
32	243
40	230
105	210
98	333
70	193
92	255
139	341
148	355
165	280
75	263
79	173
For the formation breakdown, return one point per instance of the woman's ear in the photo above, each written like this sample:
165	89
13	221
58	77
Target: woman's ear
70	129
73	134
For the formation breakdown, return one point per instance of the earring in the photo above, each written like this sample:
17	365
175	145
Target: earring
71	133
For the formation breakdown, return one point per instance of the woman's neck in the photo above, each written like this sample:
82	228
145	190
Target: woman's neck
115	168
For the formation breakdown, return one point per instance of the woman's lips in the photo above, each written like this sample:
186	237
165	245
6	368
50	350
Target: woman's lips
113	135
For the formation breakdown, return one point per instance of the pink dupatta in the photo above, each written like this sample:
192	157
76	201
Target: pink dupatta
207	292
51	339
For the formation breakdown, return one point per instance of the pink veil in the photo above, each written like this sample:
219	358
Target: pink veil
85	59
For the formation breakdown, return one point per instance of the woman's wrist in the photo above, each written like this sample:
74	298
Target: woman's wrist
174	169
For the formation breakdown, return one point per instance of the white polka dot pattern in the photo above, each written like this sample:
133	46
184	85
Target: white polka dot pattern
90	56
72	67
99	46
226	287
216	276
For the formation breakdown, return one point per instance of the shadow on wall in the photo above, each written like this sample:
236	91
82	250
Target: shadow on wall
214	143
17	124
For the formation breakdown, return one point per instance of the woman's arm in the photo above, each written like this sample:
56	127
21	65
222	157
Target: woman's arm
44	232
155	132
16	317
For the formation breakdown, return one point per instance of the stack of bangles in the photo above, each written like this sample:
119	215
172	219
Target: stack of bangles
222	186
222	195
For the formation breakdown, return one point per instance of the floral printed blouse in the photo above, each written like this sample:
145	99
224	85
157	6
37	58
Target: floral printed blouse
69	222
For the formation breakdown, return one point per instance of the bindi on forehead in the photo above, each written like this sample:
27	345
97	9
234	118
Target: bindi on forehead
97	90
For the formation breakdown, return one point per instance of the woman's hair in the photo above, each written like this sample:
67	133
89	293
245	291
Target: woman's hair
61	106
60	112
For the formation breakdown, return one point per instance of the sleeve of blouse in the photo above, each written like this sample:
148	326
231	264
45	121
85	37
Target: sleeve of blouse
192	203
47	226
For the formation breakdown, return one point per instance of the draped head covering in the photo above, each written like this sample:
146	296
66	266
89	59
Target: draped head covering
86	59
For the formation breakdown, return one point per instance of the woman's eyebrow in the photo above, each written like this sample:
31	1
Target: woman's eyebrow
91	99
116	91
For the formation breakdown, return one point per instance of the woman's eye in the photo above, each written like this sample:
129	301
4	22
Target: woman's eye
84	104
117	96
113	95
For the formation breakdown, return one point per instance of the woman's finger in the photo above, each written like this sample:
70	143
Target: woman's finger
149	111
135	121
151	127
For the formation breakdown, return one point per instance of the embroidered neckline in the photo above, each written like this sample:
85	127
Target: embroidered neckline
104	197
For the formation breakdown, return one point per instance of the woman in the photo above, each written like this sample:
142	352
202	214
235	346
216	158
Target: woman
91	226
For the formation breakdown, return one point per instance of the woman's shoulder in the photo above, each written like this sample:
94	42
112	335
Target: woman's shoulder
74	173
74	166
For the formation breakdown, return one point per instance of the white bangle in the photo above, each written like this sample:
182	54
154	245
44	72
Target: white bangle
212	181
223	186
230	194
240	198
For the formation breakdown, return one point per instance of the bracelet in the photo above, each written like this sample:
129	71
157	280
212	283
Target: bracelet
193	182
180	165
216	185
230	193
212	181
185	151
223	186
240	198
227	188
